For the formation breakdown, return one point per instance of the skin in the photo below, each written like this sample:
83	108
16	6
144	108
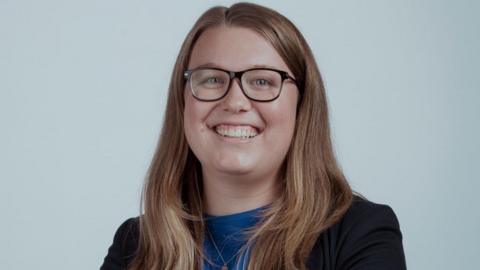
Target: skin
239	175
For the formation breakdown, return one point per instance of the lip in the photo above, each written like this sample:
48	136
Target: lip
212	127
232	139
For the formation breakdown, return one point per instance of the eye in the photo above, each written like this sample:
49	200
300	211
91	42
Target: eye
213	80
262	82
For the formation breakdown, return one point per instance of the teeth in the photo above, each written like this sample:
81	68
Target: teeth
243	132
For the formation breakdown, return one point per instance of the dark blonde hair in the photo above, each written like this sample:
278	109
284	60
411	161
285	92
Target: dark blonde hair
315	193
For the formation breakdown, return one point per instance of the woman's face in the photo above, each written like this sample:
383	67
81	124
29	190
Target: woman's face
236	49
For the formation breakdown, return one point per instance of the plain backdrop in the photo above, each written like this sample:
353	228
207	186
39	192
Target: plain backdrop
83	90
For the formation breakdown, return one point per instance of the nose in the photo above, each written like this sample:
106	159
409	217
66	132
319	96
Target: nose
235	100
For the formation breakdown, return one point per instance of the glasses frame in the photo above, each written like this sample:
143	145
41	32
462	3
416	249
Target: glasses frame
237	74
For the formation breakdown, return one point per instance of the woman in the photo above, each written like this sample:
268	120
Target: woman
245	176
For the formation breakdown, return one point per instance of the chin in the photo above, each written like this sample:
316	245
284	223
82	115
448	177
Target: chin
235	169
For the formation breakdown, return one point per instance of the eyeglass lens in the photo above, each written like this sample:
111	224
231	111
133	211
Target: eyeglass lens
259	84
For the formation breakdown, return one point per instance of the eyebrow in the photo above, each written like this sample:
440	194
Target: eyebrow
213	65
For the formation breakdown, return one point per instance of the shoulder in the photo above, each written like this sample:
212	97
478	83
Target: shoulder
368	236
124	246
364	214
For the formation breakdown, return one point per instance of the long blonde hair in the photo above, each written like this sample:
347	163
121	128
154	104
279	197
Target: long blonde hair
315	193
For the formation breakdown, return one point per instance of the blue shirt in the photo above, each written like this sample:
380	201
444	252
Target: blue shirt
227	233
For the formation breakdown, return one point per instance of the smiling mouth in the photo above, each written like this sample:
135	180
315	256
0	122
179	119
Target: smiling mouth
242	131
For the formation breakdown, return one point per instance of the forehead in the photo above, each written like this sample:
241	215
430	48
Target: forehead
234	48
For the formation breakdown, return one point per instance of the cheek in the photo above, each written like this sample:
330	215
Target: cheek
282	116
280	126
195	114
285	124
188	115
281	120
189	120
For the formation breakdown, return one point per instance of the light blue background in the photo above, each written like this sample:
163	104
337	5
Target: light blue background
83	89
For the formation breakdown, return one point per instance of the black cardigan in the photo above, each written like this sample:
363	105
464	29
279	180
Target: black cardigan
367	237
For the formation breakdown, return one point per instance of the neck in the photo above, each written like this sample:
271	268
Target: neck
226	194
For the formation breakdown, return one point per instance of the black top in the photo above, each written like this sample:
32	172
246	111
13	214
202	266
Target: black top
367	237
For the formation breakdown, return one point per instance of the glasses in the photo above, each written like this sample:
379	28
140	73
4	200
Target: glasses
258	84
